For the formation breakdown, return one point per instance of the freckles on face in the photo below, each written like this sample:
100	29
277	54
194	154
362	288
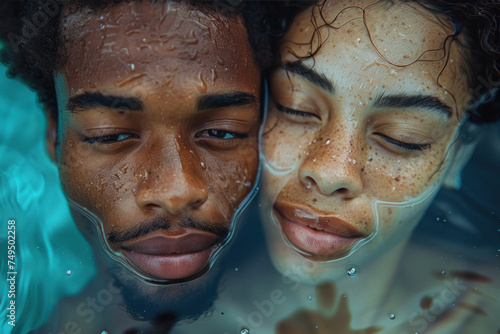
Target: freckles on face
363	116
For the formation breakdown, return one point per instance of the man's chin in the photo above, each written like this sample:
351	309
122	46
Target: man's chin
167	304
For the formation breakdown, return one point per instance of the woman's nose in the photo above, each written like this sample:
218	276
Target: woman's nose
333	167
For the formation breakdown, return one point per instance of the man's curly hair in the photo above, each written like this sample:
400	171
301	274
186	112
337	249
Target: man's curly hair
30	32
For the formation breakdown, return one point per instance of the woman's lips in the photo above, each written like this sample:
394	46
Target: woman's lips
314	233
167	256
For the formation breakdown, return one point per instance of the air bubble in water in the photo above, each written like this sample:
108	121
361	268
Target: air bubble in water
69	272
352	272
443	272
245	331
104	332
309	298
392	316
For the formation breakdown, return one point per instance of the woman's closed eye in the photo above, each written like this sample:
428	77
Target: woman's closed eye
404	145
295	113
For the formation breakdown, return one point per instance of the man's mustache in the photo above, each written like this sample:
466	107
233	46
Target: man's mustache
163	223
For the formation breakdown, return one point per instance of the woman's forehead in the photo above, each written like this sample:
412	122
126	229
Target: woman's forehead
403	45
401	32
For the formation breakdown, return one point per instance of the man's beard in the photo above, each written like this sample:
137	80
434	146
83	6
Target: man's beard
165	305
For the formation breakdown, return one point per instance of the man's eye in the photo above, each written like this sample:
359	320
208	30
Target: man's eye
404	145
109	139
221	134
296	113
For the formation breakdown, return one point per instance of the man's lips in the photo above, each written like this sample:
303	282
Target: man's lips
171	256
314	233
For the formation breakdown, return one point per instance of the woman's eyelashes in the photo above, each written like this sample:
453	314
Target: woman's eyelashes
295	113
404	145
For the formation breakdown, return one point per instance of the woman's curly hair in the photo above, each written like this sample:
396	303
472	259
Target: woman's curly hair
477	22
30	32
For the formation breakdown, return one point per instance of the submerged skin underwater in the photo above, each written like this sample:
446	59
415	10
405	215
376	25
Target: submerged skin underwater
448	274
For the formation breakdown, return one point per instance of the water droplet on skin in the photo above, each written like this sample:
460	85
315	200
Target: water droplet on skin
392	316
352	272
132	67
308	185
245	331
203	165
69	272
328	142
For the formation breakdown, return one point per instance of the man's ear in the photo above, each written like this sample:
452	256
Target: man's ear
460	155
51	135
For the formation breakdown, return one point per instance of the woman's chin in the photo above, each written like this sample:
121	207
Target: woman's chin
303	269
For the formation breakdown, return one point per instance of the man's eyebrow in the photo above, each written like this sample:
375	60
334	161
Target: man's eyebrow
216	101
407	101
310	75
88	101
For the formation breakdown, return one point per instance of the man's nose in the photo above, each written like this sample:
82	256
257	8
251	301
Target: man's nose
333	165
174	184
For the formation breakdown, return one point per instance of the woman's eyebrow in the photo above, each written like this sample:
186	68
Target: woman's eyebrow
310	75
407	101
87	101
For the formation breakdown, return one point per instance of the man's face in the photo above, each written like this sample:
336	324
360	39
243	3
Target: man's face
158	128
359	136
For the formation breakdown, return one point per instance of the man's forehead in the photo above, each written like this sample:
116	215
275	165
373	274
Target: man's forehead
162	21
142	40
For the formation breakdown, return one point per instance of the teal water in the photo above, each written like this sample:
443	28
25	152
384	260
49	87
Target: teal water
47	243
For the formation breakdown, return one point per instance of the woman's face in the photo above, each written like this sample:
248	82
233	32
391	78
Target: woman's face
360	135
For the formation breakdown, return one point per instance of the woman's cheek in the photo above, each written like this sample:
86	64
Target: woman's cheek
286	145
399	179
